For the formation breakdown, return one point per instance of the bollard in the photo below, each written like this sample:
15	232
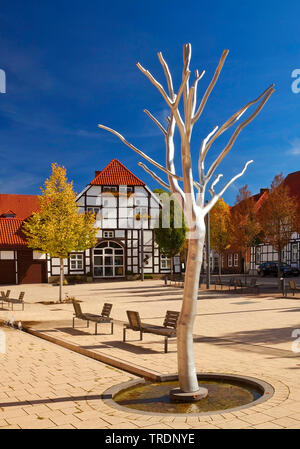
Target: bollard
282	286
166	279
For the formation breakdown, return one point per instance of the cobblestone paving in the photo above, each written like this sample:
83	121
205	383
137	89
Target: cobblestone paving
46	386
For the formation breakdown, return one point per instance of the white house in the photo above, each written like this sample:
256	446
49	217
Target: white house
126	214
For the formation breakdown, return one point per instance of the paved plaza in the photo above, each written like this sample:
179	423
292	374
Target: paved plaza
47	385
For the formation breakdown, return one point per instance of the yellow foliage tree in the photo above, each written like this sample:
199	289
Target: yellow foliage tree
58	229
245	228
219	228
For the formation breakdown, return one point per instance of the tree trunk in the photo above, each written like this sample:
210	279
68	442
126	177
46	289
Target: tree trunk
220	264
279	265
61	278
171	266
186	365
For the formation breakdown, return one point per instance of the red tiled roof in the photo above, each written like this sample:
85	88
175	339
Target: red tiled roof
21	205
115	174
11	234
293	182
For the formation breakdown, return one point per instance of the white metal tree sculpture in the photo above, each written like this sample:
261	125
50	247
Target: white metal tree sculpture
193	192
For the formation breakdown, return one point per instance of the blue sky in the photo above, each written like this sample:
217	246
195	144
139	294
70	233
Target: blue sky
71	65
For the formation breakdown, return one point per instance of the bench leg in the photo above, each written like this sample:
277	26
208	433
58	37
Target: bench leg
95	328
124	334
112	328
166	344
141	335
88	323
73	322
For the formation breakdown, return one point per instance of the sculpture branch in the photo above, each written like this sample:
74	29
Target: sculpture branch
155	176
236	133
152	161
156	84
195	85
211	190
210	87
201	159
232	120
216	197
173	105
170	152
168	75
156	122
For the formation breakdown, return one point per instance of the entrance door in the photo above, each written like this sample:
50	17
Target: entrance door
30	271
108	260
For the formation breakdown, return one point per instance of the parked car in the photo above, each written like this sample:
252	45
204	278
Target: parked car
272	268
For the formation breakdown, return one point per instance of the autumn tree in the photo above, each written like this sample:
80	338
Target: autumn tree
219	228
279	217
245	228
58	229
170	232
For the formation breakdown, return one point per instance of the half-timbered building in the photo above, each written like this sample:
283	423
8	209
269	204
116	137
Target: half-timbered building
126	213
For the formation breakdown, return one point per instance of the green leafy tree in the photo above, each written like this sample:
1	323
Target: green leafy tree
58	229
171	239
219	228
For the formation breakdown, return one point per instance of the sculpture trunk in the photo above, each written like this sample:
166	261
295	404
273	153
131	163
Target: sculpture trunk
186	365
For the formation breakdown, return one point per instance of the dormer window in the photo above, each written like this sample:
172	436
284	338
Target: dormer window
8	214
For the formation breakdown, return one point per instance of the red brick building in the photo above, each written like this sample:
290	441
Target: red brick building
18	263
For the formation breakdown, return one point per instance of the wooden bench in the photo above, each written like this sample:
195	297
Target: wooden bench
97	319
168	329
293	287
12	301
218	281
230	283
4	296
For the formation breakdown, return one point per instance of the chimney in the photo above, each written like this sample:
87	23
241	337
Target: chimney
263	191
97	173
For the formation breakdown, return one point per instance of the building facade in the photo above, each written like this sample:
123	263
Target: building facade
291	253
126	214
18	263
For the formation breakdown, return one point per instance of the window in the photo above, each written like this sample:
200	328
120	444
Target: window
165	262
235	260
109	189
294	257
76	261
108	259
93	210
108	234
229	260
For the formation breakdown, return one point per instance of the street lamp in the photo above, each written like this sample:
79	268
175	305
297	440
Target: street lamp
142	216
207	247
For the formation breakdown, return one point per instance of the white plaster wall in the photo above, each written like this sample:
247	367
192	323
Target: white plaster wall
6	255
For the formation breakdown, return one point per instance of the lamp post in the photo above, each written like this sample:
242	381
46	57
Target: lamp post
142	249
141	216
207	247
